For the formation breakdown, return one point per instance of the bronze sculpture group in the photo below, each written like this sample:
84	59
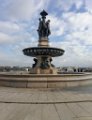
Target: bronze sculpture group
44	26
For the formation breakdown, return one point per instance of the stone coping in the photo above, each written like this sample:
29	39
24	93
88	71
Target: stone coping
40	79
43	75
44	81
45	78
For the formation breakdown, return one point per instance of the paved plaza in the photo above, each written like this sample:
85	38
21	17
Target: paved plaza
47	104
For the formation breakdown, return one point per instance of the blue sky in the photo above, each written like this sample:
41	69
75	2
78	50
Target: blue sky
71	30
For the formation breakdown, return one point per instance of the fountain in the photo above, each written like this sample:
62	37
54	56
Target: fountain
43	53
43	73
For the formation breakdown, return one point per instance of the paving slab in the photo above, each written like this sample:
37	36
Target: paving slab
47	104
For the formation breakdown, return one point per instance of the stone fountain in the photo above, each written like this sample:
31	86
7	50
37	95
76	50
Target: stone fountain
43	72
43	53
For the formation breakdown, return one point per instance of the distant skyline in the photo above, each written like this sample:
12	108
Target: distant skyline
71	30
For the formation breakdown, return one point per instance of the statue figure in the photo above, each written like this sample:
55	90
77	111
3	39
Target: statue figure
35	60
45	63
39	28
44	26
50	62
48	28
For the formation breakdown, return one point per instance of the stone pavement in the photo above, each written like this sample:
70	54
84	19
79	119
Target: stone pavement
47	104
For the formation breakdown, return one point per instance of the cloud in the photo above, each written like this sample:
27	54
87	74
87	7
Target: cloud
81	21
77	38
80	27
58	25
75	55
9	27
89	5
4	38
66	5
21	9
71	28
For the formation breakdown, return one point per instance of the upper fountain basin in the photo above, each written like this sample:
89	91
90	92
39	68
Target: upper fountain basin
44	51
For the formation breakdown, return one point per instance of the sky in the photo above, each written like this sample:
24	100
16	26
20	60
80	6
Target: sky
71	30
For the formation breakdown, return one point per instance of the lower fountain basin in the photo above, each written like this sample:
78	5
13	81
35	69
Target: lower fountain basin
44	81
49	51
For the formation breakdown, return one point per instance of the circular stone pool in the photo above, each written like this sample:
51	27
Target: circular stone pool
45	81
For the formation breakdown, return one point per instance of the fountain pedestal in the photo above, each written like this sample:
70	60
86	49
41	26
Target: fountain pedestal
43	42
43	65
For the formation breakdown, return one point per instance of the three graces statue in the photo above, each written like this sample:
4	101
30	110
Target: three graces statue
44	26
